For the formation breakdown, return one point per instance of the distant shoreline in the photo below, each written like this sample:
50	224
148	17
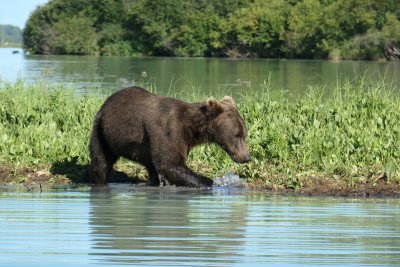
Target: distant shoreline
12	46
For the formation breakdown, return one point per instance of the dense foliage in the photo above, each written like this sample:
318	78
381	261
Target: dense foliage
349	29
10	35
349	133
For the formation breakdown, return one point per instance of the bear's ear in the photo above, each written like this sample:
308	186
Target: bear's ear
228	100
214	105
212	102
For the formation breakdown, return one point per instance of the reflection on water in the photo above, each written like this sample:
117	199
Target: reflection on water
163	228
105	74
175	227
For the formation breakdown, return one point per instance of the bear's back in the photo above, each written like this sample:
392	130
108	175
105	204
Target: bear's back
127	97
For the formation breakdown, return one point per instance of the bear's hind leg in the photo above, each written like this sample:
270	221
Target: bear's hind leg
101	161
154	179
101	167
98	170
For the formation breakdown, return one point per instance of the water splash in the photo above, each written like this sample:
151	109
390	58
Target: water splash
228	180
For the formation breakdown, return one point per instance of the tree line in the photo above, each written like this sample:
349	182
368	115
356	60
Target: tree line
10	35
313	29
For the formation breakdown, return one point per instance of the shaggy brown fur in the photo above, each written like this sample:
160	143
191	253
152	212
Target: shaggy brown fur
158	132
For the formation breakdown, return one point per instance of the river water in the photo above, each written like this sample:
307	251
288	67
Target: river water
106	74
134	225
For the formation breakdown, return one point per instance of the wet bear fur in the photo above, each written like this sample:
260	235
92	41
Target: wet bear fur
158	132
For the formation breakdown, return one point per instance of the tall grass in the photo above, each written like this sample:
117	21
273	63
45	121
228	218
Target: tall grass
348	132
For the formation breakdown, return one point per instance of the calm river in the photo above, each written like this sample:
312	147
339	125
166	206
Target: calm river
94	74
124	225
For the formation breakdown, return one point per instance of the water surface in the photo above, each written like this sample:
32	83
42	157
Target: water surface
131	225
106	74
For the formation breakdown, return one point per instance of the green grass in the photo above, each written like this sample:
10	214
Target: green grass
350	132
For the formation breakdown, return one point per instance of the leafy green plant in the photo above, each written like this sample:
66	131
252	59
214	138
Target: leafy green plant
350	131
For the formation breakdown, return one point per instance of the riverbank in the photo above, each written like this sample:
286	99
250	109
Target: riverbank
342	141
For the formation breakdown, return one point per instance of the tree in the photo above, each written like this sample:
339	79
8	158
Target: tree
305	37
74	36
10	34
259	28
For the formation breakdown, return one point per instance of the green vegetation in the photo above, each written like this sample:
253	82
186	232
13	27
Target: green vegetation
10	36
349	134
356	29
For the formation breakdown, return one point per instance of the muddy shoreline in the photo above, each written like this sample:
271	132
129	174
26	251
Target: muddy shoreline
30	180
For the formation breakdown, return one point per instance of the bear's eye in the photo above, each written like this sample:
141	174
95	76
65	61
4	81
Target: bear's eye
237	135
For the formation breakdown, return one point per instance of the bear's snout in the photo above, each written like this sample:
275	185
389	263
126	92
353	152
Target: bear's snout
238	152
247	158
241	156
243	159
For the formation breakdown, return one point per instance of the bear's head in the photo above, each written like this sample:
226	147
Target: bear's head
227	128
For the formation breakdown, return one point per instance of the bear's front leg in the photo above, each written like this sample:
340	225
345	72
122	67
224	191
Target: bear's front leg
163	180
169	156
183	176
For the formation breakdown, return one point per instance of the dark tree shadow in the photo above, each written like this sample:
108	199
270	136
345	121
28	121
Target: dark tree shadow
79	173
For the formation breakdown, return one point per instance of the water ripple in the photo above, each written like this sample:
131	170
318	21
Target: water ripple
220	227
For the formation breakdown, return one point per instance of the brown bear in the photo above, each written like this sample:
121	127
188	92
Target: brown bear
158	132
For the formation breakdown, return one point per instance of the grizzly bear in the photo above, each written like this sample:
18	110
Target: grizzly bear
158	132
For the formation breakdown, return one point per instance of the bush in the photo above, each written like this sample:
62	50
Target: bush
369	46
117	49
